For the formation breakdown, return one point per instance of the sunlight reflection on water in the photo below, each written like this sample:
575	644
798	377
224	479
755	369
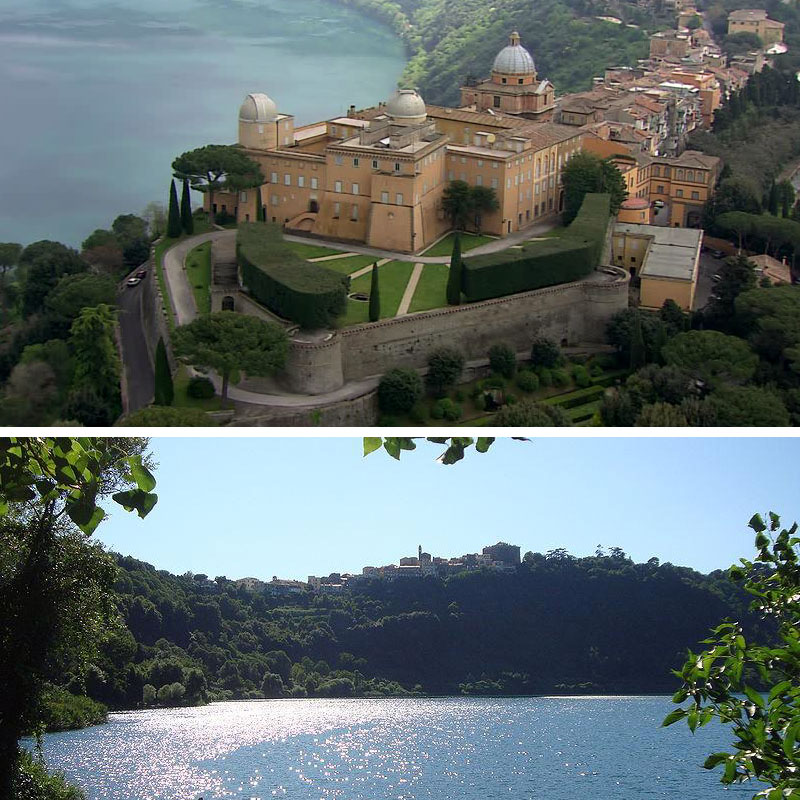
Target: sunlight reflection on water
475	749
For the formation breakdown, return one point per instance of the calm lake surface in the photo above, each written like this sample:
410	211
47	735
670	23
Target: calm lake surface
608	748
97	97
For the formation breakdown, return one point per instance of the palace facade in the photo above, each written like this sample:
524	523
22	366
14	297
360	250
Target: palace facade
377	176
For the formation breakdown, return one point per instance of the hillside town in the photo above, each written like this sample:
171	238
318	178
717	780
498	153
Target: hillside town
500	557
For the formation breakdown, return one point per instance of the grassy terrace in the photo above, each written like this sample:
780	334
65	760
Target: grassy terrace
349	265
198	271
469	241
311	250
393	279
431	289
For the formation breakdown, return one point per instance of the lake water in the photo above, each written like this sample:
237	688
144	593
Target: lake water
98	97
433	749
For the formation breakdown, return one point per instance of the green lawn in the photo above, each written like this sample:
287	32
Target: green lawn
393	279
312	250
198	272
162	248
182	399
347	265
468	242
431	289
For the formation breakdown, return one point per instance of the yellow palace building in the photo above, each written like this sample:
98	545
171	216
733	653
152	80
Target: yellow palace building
377	176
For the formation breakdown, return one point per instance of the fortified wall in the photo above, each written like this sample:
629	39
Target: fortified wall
571	314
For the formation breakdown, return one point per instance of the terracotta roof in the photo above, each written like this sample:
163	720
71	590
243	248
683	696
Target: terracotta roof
477	117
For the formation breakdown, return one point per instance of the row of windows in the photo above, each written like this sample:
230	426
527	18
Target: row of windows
681	174
678	192
339	161
337	211
398	198
287	180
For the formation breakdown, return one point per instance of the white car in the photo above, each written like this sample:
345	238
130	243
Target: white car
133	281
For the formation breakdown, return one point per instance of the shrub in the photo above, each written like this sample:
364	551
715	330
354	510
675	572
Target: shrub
33	782
530	413
560	377
287	284
545	353
224	218
459	396
527	381
479	402
200	388
570	257
446	409
581	376
503	360
493	382
399	390
511	399
595	370
444	369
417	414
545	376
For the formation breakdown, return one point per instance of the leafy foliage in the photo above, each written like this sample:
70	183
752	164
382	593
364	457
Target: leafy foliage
753	683
226	341
54	587
445	366
399	390
586	173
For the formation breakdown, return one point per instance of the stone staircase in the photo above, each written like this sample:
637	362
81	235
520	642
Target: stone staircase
224	269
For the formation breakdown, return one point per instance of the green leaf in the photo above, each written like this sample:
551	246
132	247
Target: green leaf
371	444
757	523
392	447
779	689
692	719
789	740
483	443
136	500
754	696
679	713
143	477
714	759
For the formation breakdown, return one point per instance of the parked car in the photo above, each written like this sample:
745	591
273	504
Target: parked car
716	278
134	281
718	254
658	204
141	274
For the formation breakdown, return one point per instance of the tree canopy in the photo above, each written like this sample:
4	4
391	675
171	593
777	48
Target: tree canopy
227	341
212	167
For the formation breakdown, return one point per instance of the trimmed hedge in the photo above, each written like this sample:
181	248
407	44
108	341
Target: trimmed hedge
287	284
535	265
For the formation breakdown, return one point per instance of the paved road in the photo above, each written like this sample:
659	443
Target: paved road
139	375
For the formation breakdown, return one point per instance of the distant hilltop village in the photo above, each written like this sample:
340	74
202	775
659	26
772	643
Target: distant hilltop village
500	557
376	176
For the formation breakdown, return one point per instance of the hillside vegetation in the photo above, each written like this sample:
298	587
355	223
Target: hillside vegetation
555	624
451	40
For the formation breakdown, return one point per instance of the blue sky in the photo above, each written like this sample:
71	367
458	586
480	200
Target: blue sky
294	507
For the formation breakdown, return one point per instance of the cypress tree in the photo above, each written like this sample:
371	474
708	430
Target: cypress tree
374	296
164	390
773	200
174	215
638	354
187	223
455	275
259	206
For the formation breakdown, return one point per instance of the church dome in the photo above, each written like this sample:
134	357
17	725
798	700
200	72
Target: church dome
406	105
258	107
514	59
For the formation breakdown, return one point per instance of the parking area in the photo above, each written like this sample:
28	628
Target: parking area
709	266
